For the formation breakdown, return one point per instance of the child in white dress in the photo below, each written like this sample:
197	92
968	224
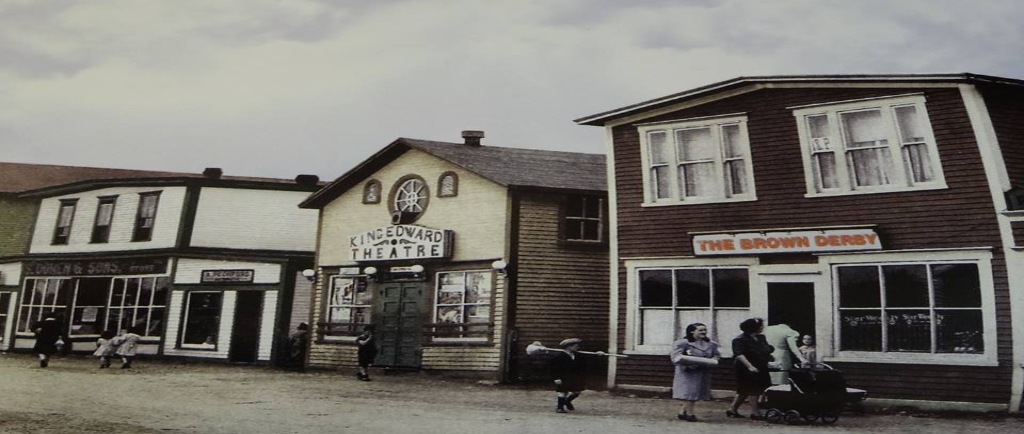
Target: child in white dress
106	346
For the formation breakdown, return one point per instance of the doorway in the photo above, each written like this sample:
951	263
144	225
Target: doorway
245	333
792	303
400	309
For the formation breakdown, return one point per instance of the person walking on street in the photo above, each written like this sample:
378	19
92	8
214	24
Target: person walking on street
298	341
367	352
48	332
752	354
105	348
128	347
692	382
567	368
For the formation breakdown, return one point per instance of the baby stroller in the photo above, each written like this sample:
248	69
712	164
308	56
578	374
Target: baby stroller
816	393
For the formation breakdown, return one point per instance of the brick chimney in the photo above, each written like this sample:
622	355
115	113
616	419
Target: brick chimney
307	179
472	137
212	173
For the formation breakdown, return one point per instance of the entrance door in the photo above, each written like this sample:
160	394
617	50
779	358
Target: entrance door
245	333
792	303
399	326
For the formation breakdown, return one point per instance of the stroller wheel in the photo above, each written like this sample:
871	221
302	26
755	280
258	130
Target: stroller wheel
773	415
829	417
810	417
792	417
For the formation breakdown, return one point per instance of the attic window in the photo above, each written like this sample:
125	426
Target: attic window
448	185
371	191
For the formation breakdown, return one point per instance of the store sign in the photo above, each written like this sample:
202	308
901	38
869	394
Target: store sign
97	268
757	243
227	276
401	242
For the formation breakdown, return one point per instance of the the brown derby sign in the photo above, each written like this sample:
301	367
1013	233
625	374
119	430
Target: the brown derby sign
401	242
96	268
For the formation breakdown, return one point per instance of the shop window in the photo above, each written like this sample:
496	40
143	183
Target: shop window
104	219
672	298
697	161
140	303
463	304
869	146
448	185
42	296
583	219
65	217
202	320
371	191
910	308
349	306
146	216
5	306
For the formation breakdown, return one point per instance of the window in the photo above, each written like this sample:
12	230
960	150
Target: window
5	306
202	320
869	146
138	302
409	197
40	297
448	185
463	298
672	298
65	216
911	308
146	216
584	219
104	218
697	161
349	306
371	191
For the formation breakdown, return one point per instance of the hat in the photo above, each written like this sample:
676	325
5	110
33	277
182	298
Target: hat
570	341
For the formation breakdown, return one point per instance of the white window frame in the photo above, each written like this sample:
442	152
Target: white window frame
184	322
715	125
149	307
487	304
902	180
980	257
328	306
634	324
7	317
37	307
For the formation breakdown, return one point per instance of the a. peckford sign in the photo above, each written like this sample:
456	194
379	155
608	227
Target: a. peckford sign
400	242
756	243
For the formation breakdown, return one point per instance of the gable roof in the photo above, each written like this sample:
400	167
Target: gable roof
513	168
26	178
837	80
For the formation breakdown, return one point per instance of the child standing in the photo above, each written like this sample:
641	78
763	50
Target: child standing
129	345
367	352
105	348
567	367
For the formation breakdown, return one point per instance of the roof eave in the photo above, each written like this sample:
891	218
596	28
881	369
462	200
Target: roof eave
339	186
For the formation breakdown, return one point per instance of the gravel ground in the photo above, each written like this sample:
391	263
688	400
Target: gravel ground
74	396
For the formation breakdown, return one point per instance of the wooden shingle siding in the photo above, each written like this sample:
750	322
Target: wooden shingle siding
1007	114
562	290
960	216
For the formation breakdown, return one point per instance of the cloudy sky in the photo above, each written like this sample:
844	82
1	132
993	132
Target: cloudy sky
282	87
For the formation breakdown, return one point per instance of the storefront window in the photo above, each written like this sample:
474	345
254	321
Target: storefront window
463	297
42	296
349	306
202	320
89	308
5	305
138	302
922	308
671	299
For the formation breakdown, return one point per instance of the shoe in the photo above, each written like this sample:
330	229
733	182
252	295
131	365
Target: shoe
735	414
756	416
569	406
126	366
43	363
561	410
691	418
681	416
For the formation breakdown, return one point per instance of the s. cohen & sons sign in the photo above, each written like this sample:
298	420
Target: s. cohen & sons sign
399	242
838	240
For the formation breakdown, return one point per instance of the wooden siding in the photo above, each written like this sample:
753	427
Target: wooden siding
960	216
16	219
267	321
301	302
1007	113
254	219
562	290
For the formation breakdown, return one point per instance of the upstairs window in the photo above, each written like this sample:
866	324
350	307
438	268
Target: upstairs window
448	185
104	218
697	161
146	216
584	219
371	191
869	146
65	216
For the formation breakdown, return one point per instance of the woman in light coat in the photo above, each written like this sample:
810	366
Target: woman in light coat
692	382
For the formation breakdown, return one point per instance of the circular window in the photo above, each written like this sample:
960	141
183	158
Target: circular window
410	198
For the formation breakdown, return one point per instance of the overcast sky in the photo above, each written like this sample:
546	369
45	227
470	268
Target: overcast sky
278	88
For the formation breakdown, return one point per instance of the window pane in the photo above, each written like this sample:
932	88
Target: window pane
92	292
574	207
63	288
574	229
731	141
698	180
478	290
656	288
727	324
686	317
959	331
363	293
343	291
860	330
732	287
906	285
591	207
919	164
736	177
203	318
478	313
145	291
113	319
859	286
818	128
450	297
449	314
657	327
695	145
693	288
910	330
148	207
956	285
104	213
659	150
156	322
160	293
911	130
864	129
825	170
362	315
340	314
871	166
660	182
591	230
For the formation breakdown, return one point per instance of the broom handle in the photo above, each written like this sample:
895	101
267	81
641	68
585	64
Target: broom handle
602	354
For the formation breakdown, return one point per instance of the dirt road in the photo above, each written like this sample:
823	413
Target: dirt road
73	396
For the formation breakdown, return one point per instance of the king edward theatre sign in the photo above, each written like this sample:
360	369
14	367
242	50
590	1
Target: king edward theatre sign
401	242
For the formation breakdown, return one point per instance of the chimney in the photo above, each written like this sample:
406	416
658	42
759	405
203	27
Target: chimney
309	180
212	173
472	137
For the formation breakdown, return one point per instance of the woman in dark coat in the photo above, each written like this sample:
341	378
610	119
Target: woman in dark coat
752	354
48	332
367	352
567	369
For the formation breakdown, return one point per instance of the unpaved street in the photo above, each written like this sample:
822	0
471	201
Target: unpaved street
73	396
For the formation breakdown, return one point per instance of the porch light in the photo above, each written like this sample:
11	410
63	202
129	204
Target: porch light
369	271
309	274
500	266
416	268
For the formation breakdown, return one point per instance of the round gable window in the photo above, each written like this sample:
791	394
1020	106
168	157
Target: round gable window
409	198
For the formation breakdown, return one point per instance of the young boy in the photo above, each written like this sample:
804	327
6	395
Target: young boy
567	368
367	352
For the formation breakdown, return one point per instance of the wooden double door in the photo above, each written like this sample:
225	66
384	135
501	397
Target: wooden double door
400	309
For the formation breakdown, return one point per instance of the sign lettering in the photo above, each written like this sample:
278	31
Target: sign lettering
227	276
401	242
839	240
96	268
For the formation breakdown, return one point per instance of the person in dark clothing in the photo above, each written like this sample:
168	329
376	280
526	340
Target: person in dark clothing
367	352
752	354
48	332
567	368
298	340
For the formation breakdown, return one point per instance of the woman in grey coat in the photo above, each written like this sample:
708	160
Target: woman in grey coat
692	382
